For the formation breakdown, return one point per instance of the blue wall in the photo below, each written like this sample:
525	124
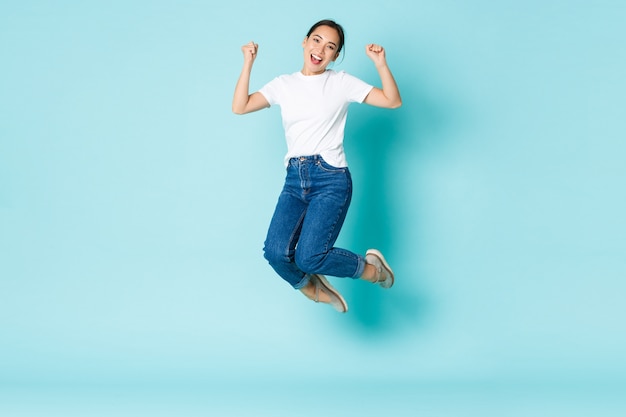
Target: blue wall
134	204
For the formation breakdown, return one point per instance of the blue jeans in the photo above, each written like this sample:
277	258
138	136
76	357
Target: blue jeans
309	214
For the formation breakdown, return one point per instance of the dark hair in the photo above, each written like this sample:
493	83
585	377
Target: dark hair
332	24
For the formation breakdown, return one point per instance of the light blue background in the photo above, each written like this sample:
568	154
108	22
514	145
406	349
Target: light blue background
134	204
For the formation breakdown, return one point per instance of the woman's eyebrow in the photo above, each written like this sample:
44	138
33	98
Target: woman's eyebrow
319	36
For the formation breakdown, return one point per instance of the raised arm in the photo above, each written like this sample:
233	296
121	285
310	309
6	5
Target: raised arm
243	101
389	96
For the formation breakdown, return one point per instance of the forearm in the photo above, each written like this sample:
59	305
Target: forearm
241	96
389	86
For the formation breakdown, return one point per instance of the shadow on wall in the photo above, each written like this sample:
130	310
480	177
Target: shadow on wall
379	144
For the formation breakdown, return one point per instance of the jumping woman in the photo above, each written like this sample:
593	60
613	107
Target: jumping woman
314	201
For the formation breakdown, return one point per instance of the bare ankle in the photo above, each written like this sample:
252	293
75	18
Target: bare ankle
369	273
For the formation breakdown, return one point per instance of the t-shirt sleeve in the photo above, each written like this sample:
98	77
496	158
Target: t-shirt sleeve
270	91
356	88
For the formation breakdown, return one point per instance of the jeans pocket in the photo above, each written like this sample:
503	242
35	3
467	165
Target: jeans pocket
325	166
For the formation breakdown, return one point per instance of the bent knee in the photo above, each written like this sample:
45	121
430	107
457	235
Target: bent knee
309	263
275	256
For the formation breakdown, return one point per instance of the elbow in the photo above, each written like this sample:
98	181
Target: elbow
393	101
396	104
238	106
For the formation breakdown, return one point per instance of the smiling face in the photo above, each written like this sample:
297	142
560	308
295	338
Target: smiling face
320	49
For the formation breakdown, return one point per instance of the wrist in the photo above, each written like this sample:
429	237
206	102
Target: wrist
382	66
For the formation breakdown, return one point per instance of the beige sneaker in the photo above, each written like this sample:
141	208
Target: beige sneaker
322	284
384	278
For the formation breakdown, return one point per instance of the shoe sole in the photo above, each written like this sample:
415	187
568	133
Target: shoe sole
381	258
332	291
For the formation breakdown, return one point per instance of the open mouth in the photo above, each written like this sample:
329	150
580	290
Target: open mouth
316	59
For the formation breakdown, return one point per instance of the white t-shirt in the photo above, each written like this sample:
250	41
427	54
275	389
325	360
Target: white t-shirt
314	110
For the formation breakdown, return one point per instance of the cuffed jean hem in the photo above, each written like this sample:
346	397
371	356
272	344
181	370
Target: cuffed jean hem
359	271
360	268
302	283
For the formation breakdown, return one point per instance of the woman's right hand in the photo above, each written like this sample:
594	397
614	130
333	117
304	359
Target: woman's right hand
249	51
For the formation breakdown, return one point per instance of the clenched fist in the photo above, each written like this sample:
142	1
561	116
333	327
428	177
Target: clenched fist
376	53
249	51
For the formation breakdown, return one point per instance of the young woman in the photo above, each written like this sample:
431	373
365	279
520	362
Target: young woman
318	188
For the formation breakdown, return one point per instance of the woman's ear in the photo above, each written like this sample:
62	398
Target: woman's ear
304	41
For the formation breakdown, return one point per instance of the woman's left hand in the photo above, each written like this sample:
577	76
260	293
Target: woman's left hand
376	53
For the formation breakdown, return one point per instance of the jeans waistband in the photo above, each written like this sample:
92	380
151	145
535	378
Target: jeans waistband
308	158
